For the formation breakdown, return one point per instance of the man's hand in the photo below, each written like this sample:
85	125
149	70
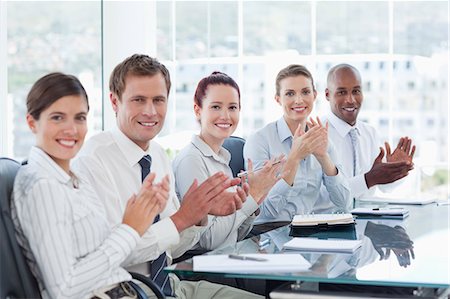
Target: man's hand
199	200
384	173
229	202
403	152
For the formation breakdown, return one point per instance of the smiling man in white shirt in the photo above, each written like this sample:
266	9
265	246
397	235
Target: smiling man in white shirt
114	162
358	145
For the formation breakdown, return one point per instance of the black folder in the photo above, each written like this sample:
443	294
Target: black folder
325	231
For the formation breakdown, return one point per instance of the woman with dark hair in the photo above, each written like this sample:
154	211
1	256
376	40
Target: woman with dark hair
217	107
309	156
60	222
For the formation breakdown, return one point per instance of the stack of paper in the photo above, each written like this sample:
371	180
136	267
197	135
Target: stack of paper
393	213
271	263
422	200
318	219
318	245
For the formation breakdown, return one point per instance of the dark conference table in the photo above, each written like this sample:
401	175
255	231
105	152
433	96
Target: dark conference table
429	272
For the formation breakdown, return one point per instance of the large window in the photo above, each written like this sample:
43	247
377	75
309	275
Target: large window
47	37
400	47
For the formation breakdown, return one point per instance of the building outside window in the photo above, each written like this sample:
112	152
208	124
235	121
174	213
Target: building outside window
400	47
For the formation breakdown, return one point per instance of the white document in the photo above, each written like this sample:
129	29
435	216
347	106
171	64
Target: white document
319	245
316	219
273	263
421	200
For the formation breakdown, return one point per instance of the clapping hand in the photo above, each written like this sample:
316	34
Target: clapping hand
230	201
261	181
403	152
387	172
142	208
319	144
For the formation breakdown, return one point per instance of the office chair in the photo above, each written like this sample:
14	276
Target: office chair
16	279
235	145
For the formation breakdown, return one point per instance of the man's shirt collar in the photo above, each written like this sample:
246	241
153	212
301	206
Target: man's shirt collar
341	126
130	150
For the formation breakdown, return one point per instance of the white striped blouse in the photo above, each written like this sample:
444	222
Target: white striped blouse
64	231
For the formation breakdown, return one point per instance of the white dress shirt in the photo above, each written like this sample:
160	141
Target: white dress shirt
199	161
64	231
109	160
285	201
369	144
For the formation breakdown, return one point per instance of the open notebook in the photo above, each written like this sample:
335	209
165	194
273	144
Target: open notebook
322	219
271	263
318	245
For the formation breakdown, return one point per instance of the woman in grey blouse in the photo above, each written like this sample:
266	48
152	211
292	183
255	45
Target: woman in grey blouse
60	222
310	158
217	108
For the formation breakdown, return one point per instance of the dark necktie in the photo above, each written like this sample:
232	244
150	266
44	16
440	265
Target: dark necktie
156	266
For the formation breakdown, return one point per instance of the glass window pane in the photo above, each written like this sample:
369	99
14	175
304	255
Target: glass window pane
63	37
276	26
421	86
347	27
191	29
420	27
164	30
223	29
253	98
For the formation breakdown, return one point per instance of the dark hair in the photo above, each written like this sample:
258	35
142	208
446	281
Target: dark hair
342	66
49	89
292	70
138	65
216	78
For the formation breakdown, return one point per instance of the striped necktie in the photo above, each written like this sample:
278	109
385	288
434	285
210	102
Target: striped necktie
355	145
156	267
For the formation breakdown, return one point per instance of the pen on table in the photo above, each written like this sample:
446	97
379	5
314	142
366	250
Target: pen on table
246	258
255	170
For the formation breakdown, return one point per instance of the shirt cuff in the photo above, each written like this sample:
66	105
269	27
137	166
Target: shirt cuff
249	206
358	186
333	180
166	233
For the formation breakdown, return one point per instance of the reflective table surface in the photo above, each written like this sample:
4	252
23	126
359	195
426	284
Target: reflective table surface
410	252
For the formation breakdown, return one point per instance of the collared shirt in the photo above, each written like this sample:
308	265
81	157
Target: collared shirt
64	231
369	143
285	201
110	161
199	161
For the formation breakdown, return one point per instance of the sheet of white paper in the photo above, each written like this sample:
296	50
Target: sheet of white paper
319	245
400	200
275	263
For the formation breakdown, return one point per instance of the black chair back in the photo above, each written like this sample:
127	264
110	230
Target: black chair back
235	145
16	279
